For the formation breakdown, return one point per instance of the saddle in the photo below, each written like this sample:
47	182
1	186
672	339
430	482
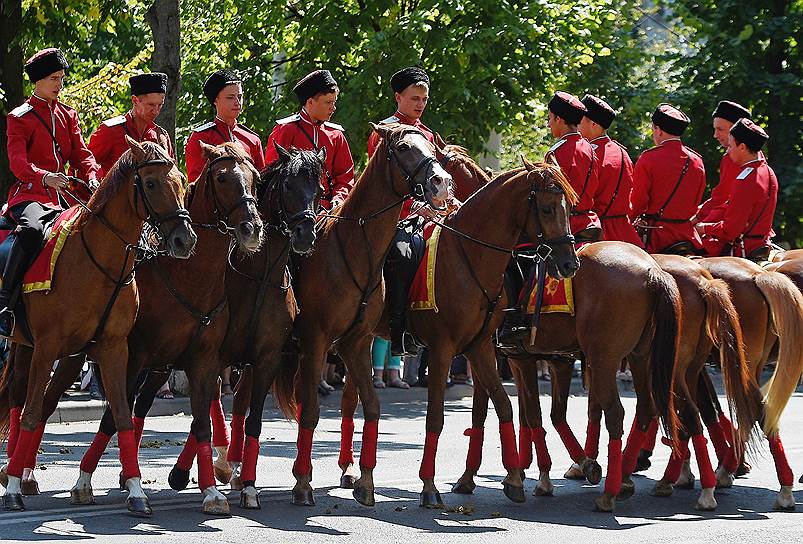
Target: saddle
684	247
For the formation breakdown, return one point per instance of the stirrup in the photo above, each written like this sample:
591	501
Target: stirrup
7	314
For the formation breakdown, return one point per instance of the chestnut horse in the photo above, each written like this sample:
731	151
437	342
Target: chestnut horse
340	288
93	301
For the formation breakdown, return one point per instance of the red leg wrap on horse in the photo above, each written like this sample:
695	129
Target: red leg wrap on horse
206	474
476	436
15	416
33	448
17	462
89	462
651	435
541	451
303	464
785	476
370	436
592	439
139	427
220	433
346	442
727	428
525	446
675	465
634	444
235	453
707	478
250	456
725	454
187	455
613	479
507	435
427	470
128	454
570	441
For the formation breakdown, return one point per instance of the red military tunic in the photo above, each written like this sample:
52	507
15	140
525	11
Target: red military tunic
579	163
612	199
32	153
747	221
108	143
656	175
301	132
217	132
374	139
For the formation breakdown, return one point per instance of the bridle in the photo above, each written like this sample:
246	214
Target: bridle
221	223
426	165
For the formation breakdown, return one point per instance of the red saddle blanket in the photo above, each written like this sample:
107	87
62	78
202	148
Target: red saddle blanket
558	297
40	274
422	290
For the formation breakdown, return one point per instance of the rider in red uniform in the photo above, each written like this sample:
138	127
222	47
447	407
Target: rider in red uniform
43	137
224	90
311	129
668	184
746	225
108	143
615	172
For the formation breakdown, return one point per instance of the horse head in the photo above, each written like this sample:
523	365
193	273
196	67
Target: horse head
228	184
551	199
158	196
467	175
292	192
414	156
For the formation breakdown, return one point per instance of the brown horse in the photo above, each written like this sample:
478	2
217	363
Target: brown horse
93	301
770	309
340	288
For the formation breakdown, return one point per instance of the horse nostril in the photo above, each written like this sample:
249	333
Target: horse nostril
246	228
178	243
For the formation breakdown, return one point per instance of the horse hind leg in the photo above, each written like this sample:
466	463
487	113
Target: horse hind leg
348	406
465	485
532	427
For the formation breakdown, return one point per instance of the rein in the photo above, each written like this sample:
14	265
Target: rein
222	225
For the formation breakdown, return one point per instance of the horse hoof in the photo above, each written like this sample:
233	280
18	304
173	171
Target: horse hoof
347	481
627	490
82	496
643	462
430	499
514	493
687	483
122	481
662	489
574	473
462	488
604	503
178	478
303	497
544	491
236	484
250	501
139	506
4	476
222	474
785	501
13	502
29	487
799	481
217	507
364	495
592	471
745	468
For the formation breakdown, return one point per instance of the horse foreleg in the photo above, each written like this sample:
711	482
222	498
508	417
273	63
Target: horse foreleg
583	467
440	360
220	437
483	366
313	352
532	426
239	407
479	412
348	406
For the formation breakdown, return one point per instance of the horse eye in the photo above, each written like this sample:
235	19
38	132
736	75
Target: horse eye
150	184
221	178
548	210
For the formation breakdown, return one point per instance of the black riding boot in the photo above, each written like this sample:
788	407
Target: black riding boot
515	319
16	265
397	309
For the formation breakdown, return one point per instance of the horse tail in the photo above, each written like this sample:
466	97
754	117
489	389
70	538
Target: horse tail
284	384
725	331
786	307
663	355
6	379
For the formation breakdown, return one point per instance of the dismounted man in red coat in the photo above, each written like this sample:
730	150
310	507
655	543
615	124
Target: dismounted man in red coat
43	137
311	129
668	184
713	209
615	172
745	229
224	90
108	143
577	160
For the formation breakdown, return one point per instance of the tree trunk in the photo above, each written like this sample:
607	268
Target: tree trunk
163	18
10	79
782	115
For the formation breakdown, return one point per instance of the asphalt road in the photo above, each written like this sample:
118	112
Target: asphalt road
744	513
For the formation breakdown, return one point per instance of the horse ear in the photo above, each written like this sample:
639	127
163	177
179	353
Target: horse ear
550	159
382	130
136	148
206	150
439	141
527	164
322	155
282	152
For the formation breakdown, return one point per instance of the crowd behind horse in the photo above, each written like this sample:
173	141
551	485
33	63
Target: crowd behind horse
220	273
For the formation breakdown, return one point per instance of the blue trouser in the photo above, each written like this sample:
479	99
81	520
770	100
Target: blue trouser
379	352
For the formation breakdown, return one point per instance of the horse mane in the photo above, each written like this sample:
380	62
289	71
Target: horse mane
551	174
300	159
462	153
